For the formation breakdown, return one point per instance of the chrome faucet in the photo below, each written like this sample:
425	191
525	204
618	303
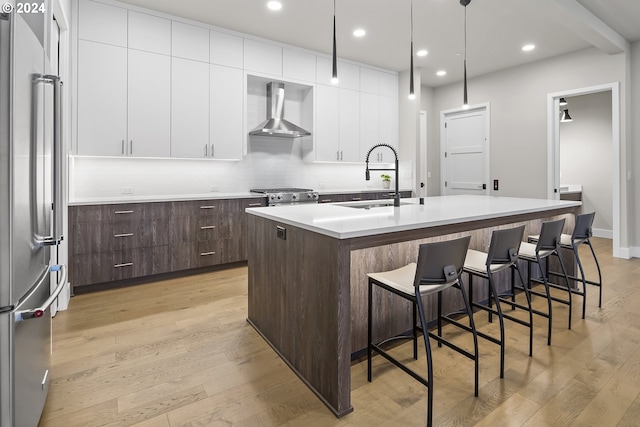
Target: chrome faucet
396	197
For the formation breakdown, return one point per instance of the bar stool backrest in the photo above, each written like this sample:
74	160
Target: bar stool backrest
549	239
582	228
504	246
441	262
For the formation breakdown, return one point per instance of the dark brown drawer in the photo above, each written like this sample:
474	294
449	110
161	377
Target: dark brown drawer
119	235
119	212
195	254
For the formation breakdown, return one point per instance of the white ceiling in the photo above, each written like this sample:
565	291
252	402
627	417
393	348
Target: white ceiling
497	29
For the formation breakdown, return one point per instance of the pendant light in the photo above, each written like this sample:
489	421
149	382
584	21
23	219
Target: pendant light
566	117
334	75
465	103
412	94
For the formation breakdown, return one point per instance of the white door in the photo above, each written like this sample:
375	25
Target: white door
465	153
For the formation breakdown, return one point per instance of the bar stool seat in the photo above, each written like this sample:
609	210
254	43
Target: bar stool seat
439	267
401	279
528	251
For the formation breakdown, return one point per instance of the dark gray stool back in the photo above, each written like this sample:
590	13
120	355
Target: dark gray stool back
582	228
549	239
441	262
504	246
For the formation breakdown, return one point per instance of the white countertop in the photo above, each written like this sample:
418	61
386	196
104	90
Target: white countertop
343	222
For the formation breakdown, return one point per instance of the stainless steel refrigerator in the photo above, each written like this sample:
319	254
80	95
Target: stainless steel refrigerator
30	197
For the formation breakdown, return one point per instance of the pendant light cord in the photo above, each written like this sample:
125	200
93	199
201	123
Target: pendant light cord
411	88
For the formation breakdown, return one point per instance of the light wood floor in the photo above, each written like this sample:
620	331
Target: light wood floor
180	353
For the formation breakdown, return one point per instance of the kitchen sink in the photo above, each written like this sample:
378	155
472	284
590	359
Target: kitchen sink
371	205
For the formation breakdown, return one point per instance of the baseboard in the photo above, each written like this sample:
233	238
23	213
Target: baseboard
634	252
605	234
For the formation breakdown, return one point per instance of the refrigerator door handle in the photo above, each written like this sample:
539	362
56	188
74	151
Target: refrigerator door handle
35	313
57	237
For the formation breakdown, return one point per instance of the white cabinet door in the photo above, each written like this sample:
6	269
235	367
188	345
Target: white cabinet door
369	80
349	126
149	90
226	49
262	57
149	33
327	136
388	84
189	42
298	65
102	99
102	23
369	124
349	76
389	121
225	97
189	108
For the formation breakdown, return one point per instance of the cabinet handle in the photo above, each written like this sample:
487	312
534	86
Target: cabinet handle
131	147
251	205
356	199
325	201
207	227
341	153
338	155
212	152
123	212
123	147
206	150
207	253
208	207
123	235
125	264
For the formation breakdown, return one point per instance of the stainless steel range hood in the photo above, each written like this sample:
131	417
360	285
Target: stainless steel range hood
276	125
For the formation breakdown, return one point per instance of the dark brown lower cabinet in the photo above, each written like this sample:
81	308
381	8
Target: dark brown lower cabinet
110	243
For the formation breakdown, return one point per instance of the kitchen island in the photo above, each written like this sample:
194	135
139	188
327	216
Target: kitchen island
307	293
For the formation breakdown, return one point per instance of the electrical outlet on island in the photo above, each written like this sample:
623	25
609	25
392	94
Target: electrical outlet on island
127	190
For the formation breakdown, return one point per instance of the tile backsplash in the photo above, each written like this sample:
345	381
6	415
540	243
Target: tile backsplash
269	162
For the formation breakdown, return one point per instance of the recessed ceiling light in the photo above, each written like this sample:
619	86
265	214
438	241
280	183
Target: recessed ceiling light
441	73
274	5
528	47
422	52
359	32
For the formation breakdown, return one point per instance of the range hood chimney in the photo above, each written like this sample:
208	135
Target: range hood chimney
276	125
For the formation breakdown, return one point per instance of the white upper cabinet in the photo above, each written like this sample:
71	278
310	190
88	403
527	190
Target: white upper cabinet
226	49
388	84
102	99
189	108
149	33
349	126
102	23
298	65
369	80
225	100
388	122
348	74
189	42
327	136
262	57
149	100
369	126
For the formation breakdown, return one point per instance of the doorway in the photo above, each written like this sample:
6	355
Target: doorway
464	148
553	152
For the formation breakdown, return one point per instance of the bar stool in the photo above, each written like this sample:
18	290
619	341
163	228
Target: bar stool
439	267
502	255
582	233
548	244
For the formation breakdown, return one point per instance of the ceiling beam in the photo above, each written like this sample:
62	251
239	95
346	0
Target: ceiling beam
588	26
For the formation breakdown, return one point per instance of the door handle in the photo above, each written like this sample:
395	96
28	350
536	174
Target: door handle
35	313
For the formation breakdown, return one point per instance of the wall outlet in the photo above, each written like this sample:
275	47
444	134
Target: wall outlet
214	188
127	190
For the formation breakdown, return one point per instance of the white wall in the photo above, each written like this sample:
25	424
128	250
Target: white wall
586	156
270	162
634	148
517	98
